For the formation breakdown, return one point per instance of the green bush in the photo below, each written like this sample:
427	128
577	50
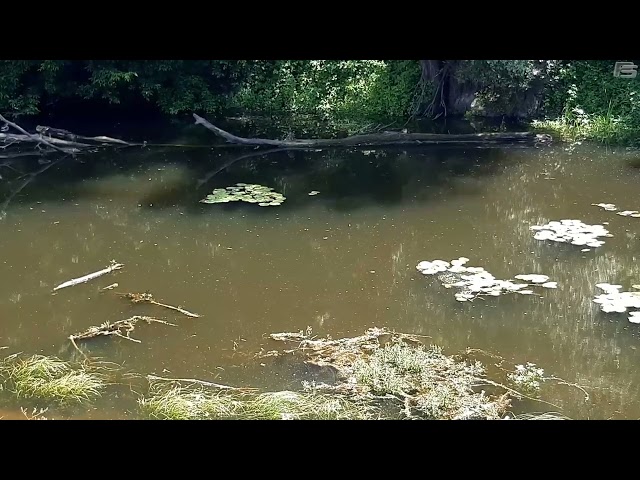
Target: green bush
337	89
585	101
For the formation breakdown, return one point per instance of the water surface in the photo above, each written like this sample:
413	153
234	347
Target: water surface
340	262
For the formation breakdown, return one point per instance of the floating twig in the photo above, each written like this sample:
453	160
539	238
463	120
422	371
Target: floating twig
114	266
148	298
109	287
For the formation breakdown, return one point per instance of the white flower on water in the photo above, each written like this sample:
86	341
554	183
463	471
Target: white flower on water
550	285
634	317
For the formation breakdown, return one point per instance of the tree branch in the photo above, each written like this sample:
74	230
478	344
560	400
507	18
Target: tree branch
382	139
34	138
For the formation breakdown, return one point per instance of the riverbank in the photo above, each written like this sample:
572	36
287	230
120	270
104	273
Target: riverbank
380	375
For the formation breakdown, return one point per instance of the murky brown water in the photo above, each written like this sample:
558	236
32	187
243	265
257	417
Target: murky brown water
340	262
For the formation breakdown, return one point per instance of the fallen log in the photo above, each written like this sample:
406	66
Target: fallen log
382	139
30	136
50	142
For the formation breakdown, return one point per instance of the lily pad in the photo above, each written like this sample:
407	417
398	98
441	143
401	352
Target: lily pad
243	192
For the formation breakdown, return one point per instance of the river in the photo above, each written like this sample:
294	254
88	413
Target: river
339	261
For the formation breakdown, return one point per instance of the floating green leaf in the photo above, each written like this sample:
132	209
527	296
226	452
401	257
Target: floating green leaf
250	193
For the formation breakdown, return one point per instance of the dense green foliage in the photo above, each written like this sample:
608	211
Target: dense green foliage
578	99
174	86
503	84
361	88
585	101
333	88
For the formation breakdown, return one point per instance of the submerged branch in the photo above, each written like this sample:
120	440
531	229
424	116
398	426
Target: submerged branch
114	266
381	139
227	164
201	382
27	181
121	328
148	298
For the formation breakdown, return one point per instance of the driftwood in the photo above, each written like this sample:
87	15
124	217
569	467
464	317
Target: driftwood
58	133
28	136
148	298
121	328
114	266
56	140
383	139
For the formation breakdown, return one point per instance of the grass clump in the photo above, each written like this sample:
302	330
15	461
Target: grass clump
400	374
49	378
433	385
599	128
177	402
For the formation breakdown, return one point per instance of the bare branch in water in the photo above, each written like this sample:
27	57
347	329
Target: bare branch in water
114	266
227	164
121	328
380	139
148	298
34	138
27	181
201	382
